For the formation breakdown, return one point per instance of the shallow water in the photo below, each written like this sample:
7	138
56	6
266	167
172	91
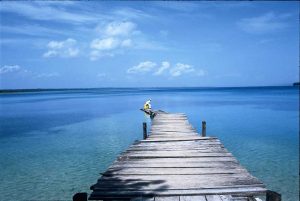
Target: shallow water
54	144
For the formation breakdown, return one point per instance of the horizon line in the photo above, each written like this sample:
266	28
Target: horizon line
85	88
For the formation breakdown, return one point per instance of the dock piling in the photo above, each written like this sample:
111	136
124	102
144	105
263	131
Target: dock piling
80	197
203	128
144	130
273	196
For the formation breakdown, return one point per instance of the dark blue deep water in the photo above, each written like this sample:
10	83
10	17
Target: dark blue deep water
55	143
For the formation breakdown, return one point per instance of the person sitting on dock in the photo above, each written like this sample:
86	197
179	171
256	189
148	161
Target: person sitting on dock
147	105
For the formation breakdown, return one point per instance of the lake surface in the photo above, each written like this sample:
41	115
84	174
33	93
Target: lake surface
55	143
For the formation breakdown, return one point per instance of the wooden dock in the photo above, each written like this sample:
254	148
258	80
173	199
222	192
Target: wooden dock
175	163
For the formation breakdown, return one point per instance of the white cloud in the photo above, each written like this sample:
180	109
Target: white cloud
164	66
126	43
143	67
105	44
66	48
131	13
180	69
57	45
96	54
32	30
52	12
115	36
9	69
21	71
17	70
14	70
50	53
166	69
266	23
119	28
143	44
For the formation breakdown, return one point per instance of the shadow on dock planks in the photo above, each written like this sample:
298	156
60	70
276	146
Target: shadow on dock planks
174	162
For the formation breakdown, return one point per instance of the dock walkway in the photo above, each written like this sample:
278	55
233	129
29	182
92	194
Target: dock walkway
176	163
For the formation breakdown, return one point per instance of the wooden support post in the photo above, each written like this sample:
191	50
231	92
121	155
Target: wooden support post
273	196
80	197
203	128
144	130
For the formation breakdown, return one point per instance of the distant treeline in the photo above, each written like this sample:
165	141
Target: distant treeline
31	90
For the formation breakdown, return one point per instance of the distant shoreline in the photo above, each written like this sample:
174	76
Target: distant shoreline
8	91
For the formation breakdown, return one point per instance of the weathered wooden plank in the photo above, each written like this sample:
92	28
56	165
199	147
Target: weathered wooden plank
173	171
182	143
172	122
172	135
174	155
173	140
188	180
240	199
179	145
172	126
159	118
178	152
169	116
149	186
192	198
172	129
173	132
213	198
142	199
194	164
197	143
226	197
167	198
175	160
201	139
172	149
245	191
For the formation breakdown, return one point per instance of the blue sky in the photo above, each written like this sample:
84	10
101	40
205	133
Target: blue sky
74	44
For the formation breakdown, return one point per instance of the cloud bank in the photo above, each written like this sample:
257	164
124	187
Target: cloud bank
165	68
142	67
66	48
266	23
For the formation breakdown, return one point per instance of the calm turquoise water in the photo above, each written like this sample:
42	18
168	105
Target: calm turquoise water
54	144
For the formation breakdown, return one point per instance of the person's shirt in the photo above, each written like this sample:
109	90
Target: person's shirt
147	105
